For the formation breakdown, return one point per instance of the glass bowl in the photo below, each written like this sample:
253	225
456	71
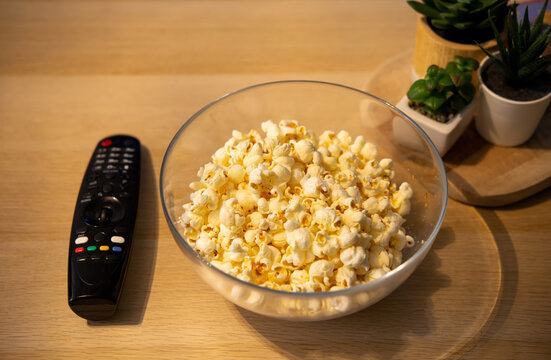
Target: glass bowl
319	106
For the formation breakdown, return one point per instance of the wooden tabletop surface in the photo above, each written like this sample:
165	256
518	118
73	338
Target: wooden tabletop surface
72	72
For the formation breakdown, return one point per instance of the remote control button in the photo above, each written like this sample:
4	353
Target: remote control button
91	248
107	188
129	149
86	198
79	249
101	156
81	258
116	149
113	155
127	161
81	230
117	249
119	230
124	194
111	167
128	156
95	257
111	257
104	248
106	143
117	239
113	161
99	236
126	167
81	240
101	150
97	168
99	162
92	184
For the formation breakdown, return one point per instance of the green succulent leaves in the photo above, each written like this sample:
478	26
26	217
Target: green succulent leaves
446	90
460	14
520	57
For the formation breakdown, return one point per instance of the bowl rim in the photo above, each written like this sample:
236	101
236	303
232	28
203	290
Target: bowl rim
423	250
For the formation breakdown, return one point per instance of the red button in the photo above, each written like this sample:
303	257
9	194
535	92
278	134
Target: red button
106	143
79	249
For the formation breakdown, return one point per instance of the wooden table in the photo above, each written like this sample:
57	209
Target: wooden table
73	72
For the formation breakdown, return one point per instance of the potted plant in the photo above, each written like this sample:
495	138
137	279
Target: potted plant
515	82
442	102
451	27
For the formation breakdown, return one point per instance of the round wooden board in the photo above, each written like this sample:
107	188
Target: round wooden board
479	173
443	311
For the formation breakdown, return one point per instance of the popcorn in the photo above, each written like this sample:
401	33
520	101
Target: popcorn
348	239
321	269
324	244
353	256
345	277
299	239
237	250
296	213
314	187
205	245
236	174
305	151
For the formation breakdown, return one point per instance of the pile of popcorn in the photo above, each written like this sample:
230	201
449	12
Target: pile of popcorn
296	213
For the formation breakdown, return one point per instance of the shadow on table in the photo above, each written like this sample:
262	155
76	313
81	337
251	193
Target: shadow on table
368	333
139	276
509	264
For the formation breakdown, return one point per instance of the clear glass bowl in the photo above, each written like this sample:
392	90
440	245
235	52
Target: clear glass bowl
319	106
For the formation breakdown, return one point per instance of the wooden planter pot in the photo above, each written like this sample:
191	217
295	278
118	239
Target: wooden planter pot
430	49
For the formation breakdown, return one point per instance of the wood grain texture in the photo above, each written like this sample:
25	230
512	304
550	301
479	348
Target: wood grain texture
191	37
74	72
479	173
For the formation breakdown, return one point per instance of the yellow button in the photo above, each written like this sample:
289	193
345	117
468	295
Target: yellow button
104	248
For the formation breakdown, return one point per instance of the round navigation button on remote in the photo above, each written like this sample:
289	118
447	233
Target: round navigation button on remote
104	211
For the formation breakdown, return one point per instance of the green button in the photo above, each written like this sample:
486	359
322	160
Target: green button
91	248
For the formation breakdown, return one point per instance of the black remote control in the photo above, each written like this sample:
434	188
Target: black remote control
103	224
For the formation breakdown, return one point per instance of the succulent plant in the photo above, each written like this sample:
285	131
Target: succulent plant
520	59
444	92
462	15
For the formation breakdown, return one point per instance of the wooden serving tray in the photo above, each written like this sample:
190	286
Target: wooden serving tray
479	173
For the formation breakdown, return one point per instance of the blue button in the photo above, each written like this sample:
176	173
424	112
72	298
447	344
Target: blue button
116	248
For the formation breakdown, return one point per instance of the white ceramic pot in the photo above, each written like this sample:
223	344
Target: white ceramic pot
507	122
443	135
